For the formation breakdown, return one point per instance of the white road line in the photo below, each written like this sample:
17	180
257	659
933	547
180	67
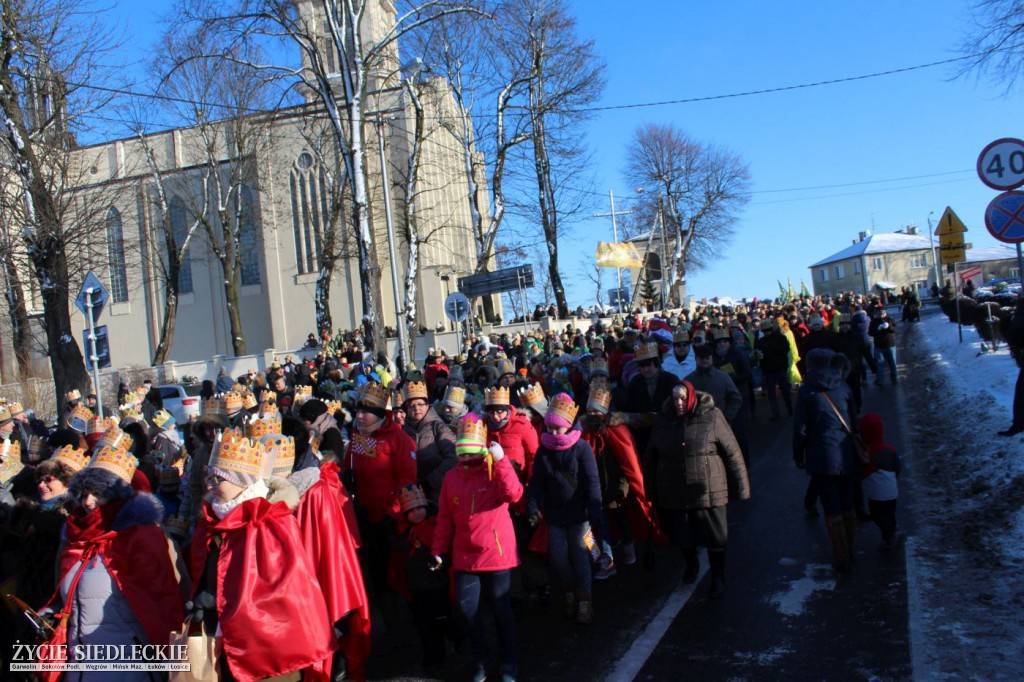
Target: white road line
647	641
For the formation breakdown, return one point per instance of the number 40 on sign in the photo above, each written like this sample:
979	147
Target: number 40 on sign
1001	164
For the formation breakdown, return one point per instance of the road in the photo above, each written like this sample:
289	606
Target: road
785	616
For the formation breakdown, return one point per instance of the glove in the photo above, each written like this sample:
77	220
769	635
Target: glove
533	520
203	602
438	562
496	452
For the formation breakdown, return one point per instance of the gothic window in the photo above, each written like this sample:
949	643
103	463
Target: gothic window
307	214
248	242
653	263
115	257
179	231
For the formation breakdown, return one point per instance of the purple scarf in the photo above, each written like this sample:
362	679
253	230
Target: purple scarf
562	442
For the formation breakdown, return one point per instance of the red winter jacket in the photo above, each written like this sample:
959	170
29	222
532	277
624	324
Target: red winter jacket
473	522
383	463
520	441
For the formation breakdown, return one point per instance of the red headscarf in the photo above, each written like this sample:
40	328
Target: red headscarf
691	395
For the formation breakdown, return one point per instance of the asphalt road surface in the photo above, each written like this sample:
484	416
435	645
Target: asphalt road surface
785	615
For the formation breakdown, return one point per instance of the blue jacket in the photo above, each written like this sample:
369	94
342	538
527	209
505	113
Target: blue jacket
565	485
819	438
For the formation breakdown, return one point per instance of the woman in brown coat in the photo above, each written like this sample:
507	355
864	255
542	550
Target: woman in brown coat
691	465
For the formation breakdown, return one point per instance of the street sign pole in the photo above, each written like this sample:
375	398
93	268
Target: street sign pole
956	292
93	355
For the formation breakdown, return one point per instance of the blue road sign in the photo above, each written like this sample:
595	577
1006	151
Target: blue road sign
1004	217
92	288
456	307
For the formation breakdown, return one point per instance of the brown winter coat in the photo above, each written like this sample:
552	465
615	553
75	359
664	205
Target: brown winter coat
693	462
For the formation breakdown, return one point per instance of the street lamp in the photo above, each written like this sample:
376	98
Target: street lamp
931	242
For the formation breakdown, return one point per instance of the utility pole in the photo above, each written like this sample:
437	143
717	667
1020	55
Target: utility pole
615	238
931	242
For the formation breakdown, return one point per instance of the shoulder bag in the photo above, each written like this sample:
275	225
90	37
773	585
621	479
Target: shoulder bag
859	446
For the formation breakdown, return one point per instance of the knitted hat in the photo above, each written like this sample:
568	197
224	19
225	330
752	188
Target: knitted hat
561	411
312	409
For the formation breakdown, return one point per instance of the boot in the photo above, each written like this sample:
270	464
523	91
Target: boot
716	559
850	528
585	609
692	565
840	547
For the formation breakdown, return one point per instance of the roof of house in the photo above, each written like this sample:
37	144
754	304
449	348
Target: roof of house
989	253
879	243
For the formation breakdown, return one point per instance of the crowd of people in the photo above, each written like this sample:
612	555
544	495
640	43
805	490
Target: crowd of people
325	496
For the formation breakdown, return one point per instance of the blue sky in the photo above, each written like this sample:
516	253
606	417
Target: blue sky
826	162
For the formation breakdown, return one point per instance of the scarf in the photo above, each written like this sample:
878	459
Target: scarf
560	442
83	527
53	502
257	489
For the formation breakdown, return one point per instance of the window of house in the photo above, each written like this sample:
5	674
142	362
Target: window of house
179	233
823	275
840	271
918	260
248	241
856	267
877	263
115	257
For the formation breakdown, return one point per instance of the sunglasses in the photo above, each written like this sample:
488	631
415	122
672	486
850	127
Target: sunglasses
46	479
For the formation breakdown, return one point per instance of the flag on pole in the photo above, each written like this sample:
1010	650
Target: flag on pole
617	255
783	294
803	289
792	291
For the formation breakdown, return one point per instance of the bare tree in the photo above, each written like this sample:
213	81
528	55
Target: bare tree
216	98
694	190
347	70
596	275
48	48
994	45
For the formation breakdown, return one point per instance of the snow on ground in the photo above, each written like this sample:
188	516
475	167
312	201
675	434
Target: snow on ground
964	495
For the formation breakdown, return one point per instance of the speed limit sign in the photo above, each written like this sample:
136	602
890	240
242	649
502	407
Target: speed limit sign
1001	164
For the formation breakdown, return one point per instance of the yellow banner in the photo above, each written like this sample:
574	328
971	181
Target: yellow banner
617	255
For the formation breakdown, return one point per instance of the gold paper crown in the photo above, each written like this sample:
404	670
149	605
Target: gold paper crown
162	419
646	351
720	335
177	525
214	406
237	388
375	395
266	425
5	413
269	396
169	476
473	430
115	438
235	452
563	406
249	401
269	407
278	455
506	367
73	395
496	396
100	425
306	391
131	412
15	408
598	366
11	449
74	458
681	336
232	402
37	448
600	398
10	467
532	395
80	417
414	389
455	394
115	459
412	497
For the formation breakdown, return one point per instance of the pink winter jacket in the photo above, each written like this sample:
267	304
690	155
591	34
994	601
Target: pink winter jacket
473	523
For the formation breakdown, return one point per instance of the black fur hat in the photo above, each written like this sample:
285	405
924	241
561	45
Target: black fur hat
100	483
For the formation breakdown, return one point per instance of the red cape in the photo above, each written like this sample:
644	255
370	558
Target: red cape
330	543
618	441
138	559
272	612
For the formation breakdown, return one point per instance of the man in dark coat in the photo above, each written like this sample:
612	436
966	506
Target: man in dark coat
883	331
1016	341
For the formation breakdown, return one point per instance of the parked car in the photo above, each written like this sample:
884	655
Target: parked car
181	401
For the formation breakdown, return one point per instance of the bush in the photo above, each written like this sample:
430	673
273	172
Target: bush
985	317
967	308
